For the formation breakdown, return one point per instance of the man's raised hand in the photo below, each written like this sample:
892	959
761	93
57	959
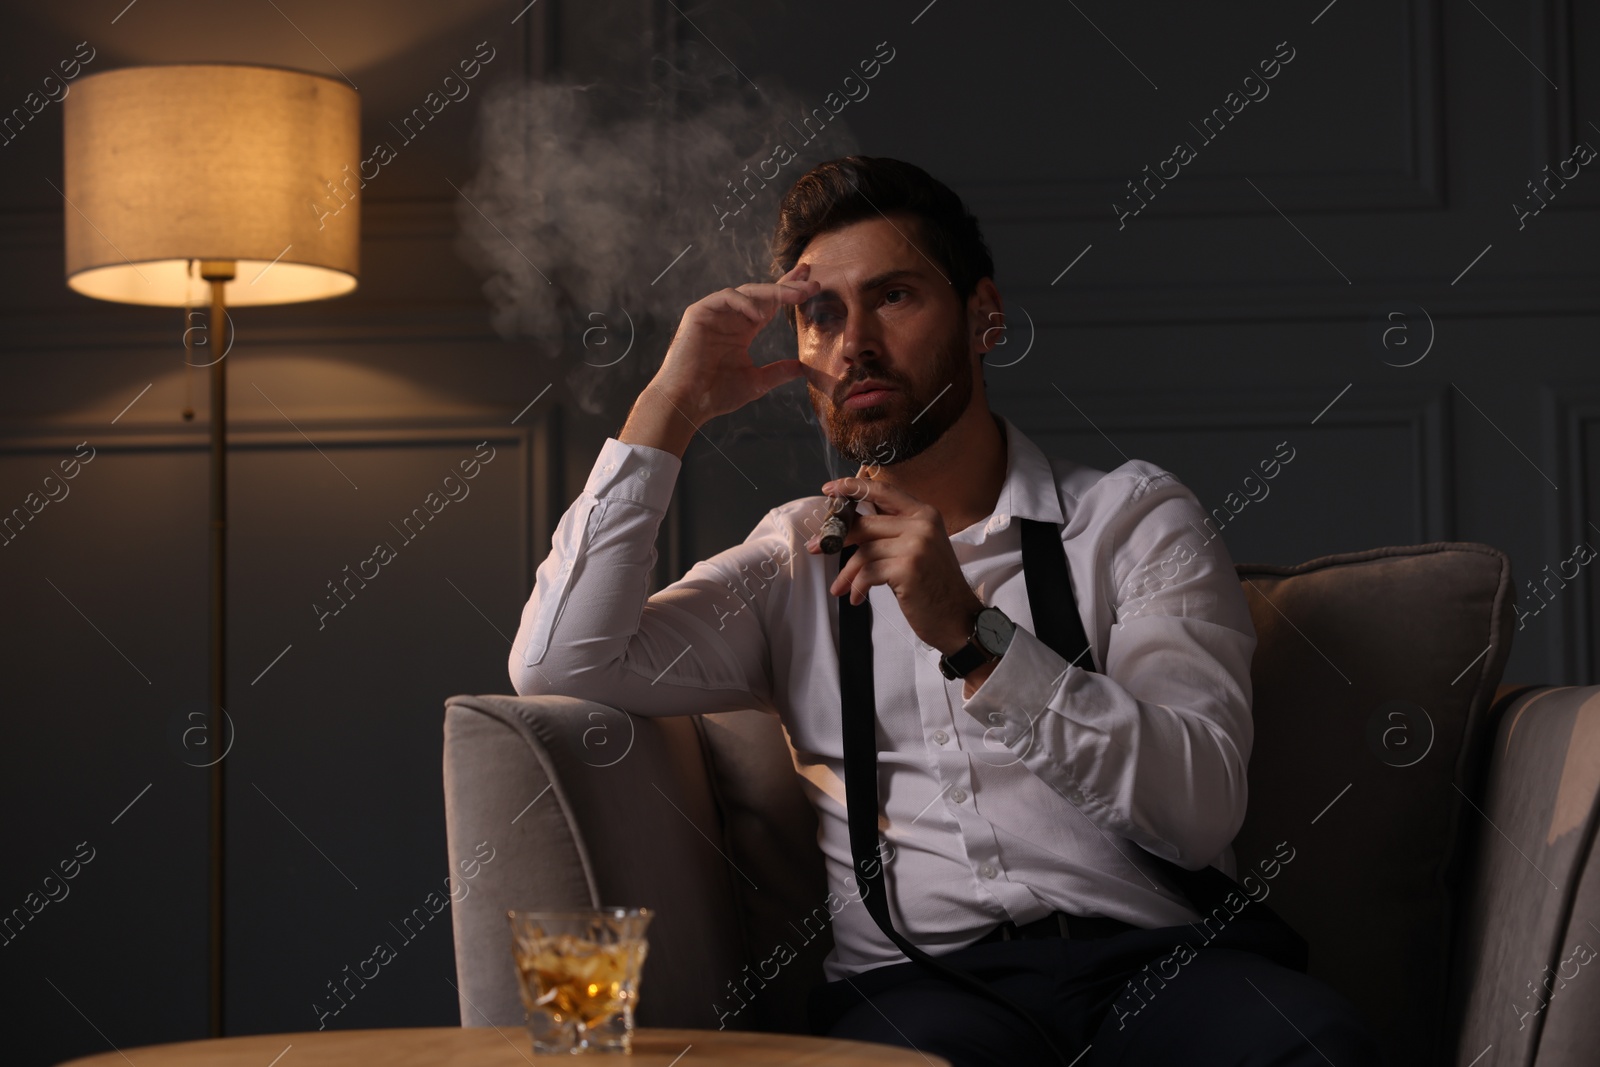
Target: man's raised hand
707	370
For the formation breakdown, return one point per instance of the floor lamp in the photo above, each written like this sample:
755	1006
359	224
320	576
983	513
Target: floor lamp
242	179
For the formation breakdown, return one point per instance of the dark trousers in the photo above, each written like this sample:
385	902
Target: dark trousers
1135	998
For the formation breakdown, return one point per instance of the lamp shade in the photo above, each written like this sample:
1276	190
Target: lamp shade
168	164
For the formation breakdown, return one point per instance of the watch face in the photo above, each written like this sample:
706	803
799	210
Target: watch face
994	630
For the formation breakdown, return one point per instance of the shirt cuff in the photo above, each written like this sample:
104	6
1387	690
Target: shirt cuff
640	473
1019	691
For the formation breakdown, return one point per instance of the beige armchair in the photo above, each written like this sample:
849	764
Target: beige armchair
1442	830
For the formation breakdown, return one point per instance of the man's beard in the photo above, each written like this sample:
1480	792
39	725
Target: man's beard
907	423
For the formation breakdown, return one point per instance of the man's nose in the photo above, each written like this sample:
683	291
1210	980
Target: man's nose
860	343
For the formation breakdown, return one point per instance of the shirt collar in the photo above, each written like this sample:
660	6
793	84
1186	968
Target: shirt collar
1028	492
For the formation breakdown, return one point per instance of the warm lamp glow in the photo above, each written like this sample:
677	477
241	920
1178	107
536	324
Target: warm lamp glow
169	164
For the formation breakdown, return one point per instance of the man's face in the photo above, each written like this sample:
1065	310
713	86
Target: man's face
886	313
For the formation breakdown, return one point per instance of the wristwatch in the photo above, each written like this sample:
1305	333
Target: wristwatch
990	637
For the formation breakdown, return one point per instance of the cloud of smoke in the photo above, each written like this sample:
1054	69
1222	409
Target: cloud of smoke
599	213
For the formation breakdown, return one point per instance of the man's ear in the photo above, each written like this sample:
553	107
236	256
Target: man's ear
985	317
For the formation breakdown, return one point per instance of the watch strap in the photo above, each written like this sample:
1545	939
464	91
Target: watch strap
964	660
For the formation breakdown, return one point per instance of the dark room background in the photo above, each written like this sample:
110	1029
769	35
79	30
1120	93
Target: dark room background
1368	264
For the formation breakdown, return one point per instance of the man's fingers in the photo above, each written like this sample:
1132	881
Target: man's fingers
884	497
737	300
866	529
774	374
850	575
759	301
864	578
771	294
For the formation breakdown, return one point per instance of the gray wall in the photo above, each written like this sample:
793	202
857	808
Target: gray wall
1243	307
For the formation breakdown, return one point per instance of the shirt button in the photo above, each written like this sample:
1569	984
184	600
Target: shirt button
987	871
1075	796
959	795
940	737
644	475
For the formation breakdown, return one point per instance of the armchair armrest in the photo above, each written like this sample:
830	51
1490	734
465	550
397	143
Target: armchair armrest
1532	914
584	806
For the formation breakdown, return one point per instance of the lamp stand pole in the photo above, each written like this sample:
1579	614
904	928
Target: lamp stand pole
218	273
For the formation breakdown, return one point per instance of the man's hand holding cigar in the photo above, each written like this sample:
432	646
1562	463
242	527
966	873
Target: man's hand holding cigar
906	547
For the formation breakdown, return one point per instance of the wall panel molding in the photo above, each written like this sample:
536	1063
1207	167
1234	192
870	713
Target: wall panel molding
1246	302
1572	429
535	443
1422	412
1416	183
1563	118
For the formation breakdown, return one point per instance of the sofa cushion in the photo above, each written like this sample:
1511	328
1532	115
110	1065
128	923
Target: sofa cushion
1373	680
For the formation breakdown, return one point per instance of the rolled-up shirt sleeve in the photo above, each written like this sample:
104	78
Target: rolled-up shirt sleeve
589	630
1154	748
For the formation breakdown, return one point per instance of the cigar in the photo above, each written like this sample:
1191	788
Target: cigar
836	525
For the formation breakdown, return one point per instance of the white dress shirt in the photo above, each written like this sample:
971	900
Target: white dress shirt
1036	795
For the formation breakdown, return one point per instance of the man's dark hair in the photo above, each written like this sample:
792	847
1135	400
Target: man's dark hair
842	191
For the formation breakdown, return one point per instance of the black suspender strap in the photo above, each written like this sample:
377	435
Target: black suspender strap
1055	610
1057	623
860	724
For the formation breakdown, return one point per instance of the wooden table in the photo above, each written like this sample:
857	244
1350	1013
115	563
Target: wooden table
505	1047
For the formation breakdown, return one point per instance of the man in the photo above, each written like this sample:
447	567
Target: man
1022	795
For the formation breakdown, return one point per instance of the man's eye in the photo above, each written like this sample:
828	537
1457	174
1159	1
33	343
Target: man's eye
892	292
817	316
